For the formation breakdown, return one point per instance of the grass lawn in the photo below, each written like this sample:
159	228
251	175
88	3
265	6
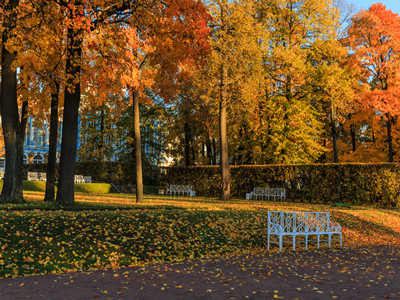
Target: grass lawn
110	230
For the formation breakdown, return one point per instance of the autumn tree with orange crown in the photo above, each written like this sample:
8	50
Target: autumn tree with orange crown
13	125
164	35
373	38
156	40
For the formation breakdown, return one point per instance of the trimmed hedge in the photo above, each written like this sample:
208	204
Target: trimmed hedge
93	188
112	172
322	183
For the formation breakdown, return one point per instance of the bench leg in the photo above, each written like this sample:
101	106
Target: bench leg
340	234
268	240
294	243
306	241
280	243
318	240
329	239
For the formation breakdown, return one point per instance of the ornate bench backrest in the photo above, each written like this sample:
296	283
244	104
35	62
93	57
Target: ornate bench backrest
269	191
79	179
180	188
288	221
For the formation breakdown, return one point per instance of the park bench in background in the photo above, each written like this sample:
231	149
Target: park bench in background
1	174
293	224
87	179
267	193
36	176
79	179
180	190
33	176
42	176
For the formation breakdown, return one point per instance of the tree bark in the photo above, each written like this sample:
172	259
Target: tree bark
138	148
225	172
52	158
334	136
353	138
100	155
66	183
187	138
12	191
389	136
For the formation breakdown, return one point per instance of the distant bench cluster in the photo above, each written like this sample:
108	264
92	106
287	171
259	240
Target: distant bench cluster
41	176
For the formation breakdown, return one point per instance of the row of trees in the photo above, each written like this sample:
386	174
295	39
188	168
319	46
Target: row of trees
296	82
275	81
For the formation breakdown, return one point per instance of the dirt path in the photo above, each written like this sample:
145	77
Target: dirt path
337	273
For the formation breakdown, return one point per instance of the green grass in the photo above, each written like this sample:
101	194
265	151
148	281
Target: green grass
95	188
38	238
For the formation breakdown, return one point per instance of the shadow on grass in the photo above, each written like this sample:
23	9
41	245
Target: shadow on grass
366	227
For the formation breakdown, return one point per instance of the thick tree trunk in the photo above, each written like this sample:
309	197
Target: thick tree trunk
12	129
389	136
138	148
65	193
51	161
334	136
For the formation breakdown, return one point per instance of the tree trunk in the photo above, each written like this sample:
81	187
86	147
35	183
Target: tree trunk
12	191
214	153
65	193
353	138
52	158
389	136
225	172
208	151
334	136
100	154
186	131
138	148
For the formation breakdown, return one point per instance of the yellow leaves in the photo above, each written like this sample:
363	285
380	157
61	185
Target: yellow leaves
29	259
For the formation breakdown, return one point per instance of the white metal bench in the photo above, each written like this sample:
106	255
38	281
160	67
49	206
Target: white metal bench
284	223
268	193
181	190
42	176
1	174
79	179
87	179
33	176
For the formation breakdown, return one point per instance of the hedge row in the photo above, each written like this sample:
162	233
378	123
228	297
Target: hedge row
323	183
111	172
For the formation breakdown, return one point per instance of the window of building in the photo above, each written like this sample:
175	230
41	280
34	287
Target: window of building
38	137
38	159
25	159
